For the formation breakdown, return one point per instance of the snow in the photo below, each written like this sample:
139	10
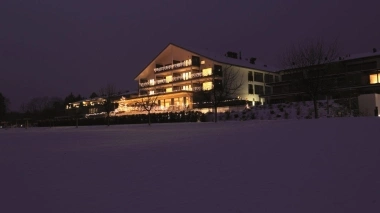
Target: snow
324	165
290	110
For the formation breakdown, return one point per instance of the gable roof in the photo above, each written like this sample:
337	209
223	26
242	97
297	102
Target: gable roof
217	57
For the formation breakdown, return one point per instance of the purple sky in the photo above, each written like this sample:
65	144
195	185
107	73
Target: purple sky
52	48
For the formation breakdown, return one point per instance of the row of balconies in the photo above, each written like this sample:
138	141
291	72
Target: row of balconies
195	89
174	79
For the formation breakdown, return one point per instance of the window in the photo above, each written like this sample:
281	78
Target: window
268	78
259	77
207	72
218	84
207	85
276	78
374	78
186	75
259	89
268	90
250	89
169	79
250	76
362	66
217	70
151	81
93	110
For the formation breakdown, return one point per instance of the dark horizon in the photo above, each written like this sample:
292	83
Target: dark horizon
54	48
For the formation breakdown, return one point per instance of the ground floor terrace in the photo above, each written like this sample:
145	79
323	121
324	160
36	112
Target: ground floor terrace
175	101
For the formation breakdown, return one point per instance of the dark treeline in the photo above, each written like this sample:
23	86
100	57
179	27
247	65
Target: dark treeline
35	109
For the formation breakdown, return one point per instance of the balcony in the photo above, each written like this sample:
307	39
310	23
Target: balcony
197	89
181	89
177	78
162	81
196	75
146	84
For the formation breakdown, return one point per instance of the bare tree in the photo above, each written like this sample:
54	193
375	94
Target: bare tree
107	93
147	103
311	61
4	104
225	83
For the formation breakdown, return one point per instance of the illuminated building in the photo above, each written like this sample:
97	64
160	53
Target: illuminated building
177	73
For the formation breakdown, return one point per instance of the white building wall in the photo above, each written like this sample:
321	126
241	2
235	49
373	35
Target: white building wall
243	91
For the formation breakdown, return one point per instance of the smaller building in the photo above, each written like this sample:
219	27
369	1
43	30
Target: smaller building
369	104
96	106
351	76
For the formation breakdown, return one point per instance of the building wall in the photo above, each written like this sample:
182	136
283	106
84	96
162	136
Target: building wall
367	103
258	85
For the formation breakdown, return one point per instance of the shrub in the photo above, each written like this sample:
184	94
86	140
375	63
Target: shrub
298	110
286	115
228	115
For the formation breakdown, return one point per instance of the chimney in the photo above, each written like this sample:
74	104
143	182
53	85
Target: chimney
252	60
374	50
240	55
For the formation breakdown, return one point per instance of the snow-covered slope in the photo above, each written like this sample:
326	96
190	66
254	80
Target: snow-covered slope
325	165
292	110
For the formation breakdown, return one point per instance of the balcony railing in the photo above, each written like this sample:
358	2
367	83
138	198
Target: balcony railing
197	88
144	84
174	79
178	78
196	75
162	81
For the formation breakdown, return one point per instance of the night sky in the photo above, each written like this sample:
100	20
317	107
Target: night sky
52	48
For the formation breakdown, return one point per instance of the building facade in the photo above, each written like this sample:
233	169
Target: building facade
173	78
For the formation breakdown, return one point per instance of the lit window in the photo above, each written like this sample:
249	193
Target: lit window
207	72
374	78
151	81
169	78
203	62
169	89
207	85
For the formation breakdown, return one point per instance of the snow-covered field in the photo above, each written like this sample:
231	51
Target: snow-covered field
325	165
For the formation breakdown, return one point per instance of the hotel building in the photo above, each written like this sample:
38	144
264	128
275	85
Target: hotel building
177	73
